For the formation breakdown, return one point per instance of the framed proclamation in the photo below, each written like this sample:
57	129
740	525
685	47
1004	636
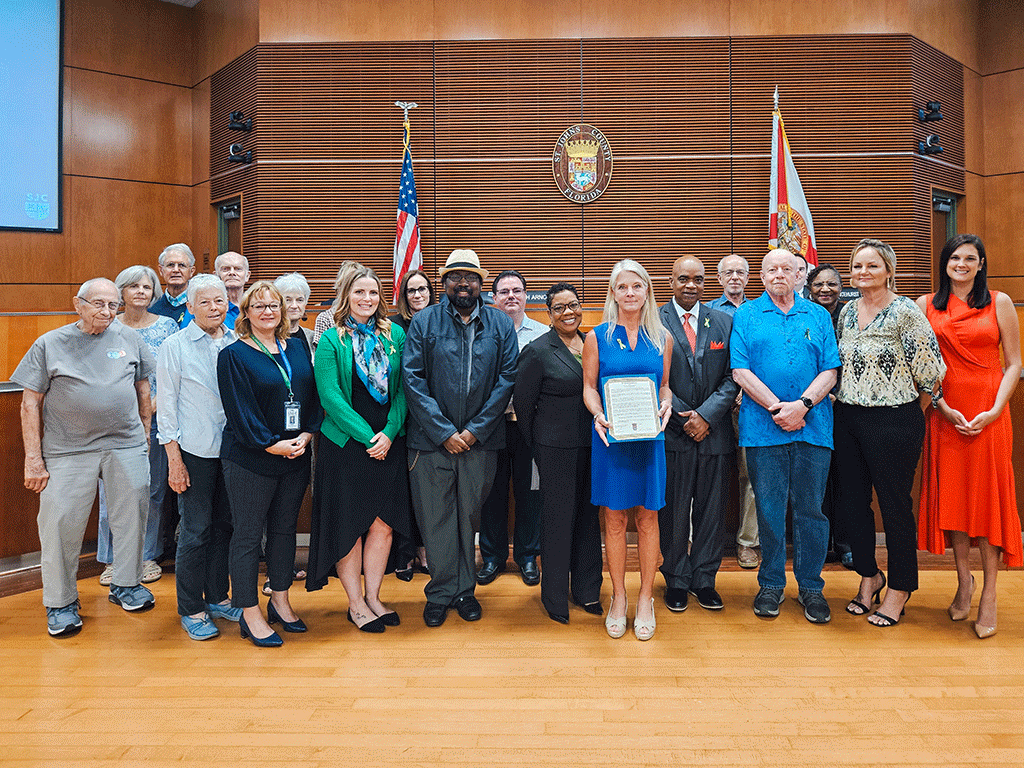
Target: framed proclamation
631	407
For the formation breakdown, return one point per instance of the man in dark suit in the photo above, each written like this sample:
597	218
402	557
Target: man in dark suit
699	441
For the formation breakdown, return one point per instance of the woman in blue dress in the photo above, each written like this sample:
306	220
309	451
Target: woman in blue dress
631	341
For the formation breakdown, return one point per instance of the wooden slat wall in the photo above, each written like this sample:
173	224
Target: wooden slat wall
689	121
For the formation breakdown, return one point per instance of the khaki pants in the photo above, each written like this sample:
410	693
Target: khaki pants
746	533
64	507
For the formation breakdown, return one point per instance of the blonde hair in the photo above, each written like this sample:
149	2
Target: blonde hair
344	308
242	325
887	254
649	320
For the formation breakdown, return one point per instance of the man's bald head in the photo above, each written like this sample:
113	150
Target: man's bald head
687	281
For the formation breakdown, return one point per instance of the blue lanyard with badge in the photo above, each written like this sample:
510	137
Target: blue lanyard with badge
291	406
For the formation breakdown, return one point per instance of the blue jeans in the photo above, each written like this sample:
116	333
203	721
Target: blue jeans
795	472
157	489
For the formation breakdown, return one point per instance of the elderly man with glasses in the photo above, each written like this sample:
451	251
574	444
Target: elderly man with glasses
85	415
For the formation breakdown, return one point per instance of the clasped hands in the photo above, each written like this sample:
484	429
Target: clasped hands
789	416
460	442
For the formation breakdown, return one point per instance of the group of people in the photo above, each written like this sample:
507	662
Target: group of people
427	416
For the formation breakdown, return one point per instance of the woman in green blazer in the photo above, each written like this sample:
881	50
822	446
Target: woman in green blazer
362	450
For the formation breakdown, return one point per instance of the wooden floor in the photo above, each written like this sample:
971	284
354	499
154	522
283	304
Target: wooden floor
716	689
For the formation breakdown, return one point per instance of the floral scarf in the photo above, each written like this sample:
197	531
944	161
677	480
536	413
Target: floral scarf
372	363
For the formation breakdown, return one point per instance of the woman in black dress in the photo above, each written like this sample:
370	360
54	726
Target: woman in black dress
361	450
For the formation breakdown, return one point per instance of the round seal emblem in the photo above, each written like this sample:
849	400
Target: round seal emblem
582	163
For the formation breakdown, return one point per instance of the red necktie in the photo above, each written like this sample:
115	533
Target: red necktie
691	336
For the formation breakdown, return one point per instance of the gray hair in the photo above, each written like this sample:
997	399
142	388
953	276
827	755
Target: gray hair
181	248
746	263
201	283
133	275
293	281
88	285
219	260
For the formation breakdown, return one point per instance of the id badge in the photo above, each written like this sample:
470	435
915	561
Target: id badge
291	416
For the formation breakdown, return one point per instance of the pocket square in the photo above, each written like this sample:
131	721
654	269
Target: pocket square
717	345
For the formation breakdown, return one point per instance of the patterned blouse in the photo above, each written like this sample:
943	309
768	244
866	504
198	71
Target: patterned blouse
892	360
154	335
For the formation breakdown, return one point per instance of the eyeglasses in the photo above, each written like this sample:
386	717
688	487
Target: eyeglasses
462	277
422	289
819	284
505	292
99	306
261	308
573	306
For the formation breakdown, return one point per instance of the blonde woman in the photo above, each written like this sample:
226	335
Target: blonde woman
361	493
630	341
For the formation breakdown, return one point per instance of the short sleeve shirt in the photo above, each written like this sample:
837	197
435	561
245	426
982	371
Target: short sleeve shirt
786	351
88	382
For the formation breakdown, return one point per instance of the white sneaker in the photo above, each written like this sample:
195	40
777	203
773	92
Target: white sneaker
107	576
151	571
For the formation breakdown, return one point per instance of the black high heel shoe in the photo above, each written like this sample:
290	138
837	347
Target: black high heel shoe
405	574
273	617
273	640
865	609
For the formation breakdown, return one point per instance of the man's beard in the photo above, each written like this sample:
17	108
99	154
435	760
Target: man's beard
464	301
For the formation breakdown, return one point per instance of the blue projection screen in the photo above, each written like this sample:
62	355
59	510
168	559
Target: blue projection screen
30	83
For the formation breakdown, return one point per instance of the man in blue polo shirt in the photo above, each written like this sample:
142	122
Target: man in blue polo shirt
784	356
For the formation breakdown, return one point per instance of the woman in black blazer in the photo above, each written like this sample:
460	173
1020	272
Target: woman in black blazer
555	422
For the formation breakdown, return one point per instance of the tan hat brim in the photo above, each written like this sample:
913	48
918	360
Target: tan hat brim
464	266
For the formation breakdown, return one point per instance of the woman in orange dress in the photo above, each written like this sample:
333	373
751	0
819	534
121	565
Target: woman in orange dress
967	487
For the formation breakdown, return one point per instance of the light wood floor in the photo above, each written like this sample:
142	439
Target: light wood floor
717	689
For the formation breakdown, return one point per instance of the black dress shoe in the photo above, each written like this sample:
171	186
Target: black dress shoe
468	607
489	571
708	598
530	572
273	617
676	599
558	617
594	607
434	614
376	626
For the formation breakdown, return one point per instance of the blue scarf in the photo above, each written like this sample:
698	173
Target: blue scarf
372	363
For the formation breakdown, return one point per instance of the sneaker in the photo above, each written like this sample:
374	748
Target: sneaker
747	557
136	598
768	601
151	571
107	576
816	608
229	612
199	629
63	621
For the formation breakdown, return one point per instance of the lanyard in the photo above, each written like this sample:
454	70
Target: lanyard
287	376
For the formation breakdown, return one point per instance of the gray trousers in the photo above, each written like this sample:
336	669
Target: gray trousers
700	480
448	491
64	507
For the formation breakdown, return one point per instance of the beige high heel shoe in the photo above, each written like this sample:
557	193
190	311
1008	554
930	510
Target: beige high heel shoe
956	615
644	630
983	632
616	628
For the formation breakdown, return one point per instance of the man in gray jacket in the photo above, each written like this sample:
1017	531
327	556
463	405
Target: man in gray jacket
458	368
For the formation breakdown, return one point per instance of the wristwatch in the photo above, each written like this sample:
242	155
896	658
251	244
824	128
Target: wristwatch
808	403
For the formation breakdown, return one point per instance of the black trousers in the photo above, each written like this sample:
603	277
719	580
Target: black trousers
514	461
879	447
259	502
570	539
201	564
700	479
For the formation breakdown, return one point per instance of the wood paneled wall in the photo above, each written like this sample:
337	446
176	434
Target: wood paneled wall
689	121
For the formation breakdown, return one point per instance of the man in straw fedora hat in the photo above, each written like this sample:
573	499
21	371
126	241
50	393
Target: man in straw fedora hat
458	367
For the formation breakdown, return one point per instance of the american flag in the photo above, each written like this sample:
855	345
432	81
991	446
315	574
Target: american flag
407	231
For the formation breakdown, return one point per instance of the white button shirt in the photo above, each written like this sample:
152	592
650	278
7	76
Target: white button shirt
188	406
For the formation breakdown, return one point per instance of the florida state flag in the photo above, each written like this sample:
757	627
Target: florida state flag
789	218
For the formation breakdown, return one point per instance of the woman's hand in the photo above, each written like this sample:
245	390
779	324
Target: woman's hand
665	413
954	417
602	426
978	423
381	446
292	448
